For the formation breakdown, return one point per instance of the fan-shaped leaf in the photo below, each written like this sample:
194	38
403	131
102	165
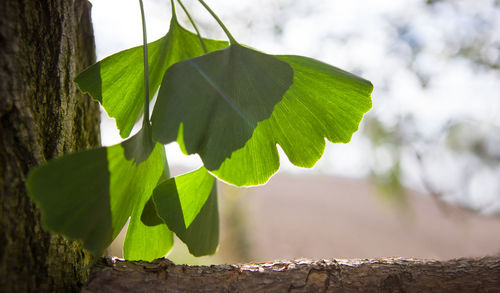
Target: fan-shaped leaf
323	101
89	195
217	100
117	81
188	204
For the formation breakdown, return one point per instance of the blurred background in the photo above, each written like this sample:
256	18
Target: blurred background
422	176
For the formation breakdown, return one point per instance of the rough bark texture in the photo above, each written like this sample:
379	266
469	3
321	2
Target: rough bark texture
378	275
43	44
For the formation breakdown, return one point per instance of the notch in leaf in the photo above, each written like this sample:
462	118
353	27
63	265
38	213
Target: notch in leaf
323	102
212	104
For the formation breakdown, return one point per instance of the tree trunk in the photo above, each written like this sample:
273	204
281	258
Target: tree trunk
43	44
379	275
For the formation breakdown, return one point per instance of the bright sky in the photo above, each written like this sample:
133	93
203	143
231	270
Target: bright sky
376	38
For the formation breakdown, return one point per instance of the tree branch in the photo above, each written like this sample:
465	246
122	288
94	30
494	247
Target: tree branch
337	275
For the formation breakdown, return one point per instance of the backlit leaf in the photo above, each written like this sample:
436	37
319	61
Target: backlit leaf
146	242
117	81
323	101
217	100
89	195
148	237
188	204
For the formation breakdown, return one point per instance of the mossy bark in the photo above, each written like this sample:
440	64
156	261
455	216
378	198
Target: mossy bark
43	45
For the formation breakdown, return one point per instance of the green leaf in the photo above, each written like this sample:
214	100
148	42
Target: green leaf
72	193
148	237
188	204
89	195
149	215
139	147
146	242
217	100
193	189
131	183
323	101
117	81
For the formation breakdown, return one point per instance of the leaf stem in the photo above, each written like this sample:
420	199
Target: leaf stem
172	4
228	34
146	66
194	26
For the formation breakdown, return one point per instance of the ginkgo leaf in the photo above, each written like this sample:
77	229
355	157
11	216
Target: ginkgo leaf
149	216
89	195
117	81
192	189
217	100
139	147
146	242
188	205
323	101
148	237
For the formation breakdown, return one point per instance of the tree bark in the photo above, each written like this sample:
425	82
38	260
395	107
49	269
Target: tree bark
378	275
43	44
